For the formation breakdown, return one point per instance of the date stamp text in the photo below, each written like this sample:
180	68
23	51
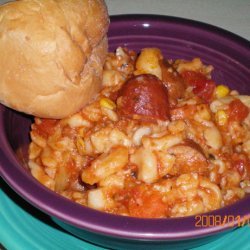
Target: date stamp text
219	220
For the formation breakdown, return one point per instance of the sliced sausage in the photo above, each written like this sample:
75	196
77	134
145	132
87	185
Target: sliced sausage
144	97
174	83
189	158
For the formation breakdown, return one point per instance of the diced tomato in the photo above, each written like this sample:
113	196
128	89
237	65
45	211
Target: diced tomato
241	163
238	111
202	86
46	127
146	203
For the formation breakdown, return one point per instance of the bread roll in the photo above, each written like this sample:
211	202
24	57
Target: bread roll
51	55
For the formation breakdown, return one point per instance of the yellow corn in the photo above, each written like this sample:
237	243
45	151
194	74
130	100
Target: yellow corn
221	117
221	91
80	145
81	131
107	103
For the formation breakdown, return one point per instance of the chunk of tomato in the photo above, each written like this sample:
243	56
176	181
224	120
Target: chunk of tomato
202	86
238	111
146	203
241	163
45	127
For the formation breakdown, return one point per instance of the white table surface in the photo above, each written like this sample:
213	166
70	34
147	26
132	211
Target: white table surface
232	15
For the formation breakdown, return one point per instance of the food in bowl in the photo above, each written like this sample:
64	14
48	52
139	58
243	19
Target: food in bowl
162	139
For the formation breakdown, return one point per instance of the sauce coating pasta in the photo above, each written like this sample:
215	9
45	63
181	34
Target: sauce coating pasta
161	140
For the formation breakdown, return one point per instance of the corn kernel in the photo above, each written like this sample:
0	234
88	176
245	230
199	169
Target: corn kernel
81	131
221	91
107	103
80	145
221	117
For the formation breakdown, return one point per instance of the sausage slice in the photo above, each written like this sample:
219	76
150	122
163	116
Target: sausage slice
189	158
174	83
144	97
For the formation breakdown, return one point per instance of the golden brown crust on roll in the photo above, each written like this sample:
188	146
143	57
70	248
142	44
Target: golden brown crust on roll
52	53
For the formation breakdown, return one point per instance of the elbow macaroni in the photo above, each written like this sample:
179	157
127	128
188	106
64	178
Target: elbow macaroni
194	163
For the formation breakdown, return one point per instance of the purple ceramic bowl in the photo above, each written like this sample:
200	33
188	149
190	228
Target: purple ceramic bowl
177	38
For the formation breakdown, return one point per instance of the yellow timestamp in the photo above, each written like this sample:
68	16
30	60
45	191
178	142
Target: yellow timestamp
221	220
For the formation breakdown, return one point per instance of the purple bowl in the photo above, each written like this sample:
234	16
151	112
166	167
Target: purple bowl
177	38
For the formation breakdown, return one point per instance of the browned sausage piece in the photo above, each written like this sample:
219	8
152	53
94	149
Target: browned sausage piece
189	158
174	83
144	97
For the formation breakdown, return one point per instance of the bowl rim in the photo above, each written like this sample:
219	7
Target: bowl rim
181	20
114	225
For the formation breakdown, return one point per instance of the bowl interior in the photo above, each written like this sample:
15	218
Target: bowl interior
177	38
